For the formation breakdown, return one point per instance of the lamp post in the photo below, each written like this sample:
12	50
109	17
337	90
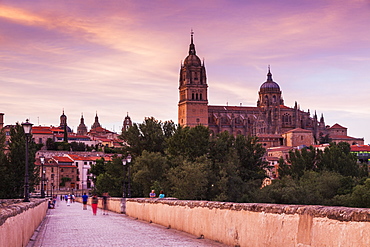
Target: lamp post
124	161
129	176
27	127
42	160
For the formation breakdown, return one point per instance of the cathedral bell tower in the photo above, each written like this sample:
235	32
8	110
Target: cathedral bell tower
269	101
193	103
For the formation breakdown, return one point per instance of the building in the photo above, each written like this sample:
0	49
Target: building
82	129
269	120
1	120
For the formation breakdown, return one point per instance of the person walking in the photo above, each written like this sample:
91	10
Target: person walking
152	194
94	204
68	200
84	201
105	203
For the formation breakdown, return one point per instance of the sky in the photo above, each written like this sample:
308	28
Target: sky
118	57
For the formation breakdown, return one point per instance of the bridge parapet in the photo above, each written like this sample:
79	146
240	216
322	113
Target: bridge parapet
255	224
19	220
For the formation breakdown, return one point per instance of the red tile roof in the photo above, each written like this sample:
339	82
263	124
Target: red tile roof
298	130
63	159
337	126
360	148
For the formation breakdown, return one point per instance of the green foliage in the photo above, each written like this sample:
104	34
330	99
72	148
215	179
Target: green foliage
64	180
338	158
4	167
108	176
63	146
78	146
149	169
50	144
149	135
189	179
13	166
97	169
250	154
301	160
189	142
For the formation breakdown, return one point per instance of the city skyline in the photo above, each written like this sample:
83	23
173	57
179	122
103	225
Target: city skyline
124	57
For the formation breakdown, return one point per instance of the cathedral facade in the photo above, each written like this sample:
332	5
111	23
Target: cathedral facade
270	120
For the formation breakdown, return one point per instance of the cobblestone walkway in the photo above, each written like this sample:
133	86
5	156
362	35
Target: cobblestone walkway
69	226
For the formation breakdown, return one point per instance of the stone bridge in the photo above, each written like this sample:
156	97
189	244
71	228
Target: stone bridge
183	223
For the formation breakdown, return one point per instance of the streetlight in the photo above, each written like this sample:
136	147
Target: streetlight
42	160
27	127
129	176
124	161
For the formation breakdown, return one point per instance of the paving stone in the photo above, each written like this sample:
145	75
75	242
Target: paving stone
70	226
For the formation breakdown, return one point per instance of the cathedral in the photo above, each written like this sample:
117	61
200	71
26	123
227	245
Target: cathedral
271	121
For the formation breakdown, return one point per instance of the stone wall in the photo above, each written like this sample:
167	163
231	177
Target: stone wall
19	220
256	225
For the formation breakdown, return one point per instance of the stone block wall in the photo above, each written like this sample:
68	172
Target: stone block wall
19	220
256	225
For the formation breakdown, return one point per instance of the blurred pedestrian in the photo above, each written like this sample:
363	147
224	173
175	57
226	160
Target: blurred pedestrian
84	201
69	198
94	204
152	194
105	203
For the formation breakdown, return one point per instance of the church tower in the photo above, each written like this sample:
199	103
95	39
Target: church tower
96	124
82	129
193	103
269	101
127	123
63	123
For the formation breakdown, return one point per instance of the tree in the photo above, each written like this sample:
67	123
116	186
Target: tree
4	166
149	171
97	169
338	158
189	142
108	177
360	196
189	179
50	144
16	166
149	135
301	160
250	154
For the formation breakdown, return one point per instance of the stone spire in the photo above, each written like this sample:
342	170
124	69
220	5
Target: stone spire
96	123
82	129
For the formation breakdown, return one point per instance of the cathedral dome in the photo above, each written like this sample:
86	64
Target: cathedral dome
269	85
192	60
